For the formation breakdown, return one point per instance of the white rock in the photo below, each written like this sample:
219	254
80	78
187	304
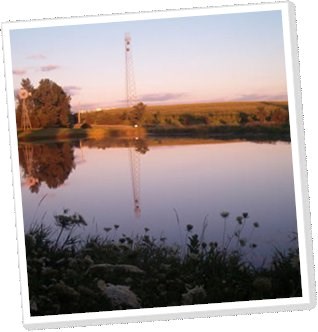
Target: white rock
121	297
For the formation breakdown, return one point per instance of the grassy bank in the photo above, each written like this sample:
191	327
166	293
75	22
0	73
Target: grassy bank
114	271
100	133
224	132
96	133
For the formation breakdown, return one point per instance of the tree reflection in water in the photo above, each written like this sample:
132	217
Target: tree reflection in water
50	163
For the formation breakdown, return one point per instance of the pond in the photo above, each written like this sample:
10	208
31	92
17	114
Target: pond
165	186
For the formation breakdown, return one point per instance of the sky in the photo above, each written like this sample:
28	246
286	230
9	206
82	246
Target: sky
227	57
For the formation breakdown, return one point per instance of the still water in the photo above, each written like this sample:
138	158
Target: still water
164	188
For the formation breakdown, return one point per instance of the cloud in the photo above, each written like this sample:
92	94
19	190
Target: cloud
49	67
153	97
19	71
87	106
257	97
37	56
72	90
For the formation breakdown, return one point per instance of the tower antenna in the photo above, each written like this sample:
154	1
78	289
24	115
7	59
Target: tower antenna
131	99
131	96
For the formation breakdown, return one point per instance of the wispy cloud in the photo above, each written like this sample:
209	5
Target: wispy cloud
259	97
157	97
72	90
19	71
49	67
87	106
37	56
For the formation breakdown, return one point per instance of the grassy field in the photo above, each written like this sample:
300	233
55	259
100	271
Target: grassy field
230	120
225	107
221	107
183	115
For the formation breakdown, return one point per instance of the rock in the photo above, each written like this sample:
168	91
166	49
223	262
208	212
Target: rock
121	297
128	268
102	269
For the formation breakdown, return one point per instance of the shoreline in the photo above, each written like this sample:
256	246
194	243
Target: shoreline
98	133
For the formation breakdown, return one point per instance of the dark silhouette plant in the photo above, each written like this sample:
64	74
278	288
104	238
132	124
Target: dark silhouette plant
68	223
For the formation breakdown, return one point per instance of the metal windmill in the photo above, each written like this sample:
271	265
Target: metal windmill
25	119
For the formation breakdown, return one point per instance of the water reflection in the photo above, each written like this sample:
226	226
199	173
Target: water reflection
52	163
49	163
139	184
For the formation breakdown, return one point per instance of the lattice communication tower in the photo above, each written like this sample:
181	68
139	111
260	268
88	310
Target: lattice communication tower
131	99
131	95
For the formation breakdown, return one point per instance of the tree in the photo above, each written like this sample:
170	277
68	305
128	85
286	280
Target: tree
48	105
137	113
262	114
51	105
243	118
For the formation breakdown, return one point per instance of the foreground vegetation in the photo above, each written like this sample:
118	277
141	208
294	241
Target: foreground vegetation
115	272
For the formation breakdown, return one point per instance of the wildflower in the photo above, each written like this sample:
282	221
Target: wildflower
116	226
224	214
256	224
239	219
245	215
107	229
146	229
189	227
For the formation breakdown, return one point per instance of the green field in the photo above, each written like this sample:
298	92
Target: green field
202	114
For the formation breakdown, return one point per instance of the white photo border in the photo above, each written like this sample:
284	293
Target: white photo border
308	299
